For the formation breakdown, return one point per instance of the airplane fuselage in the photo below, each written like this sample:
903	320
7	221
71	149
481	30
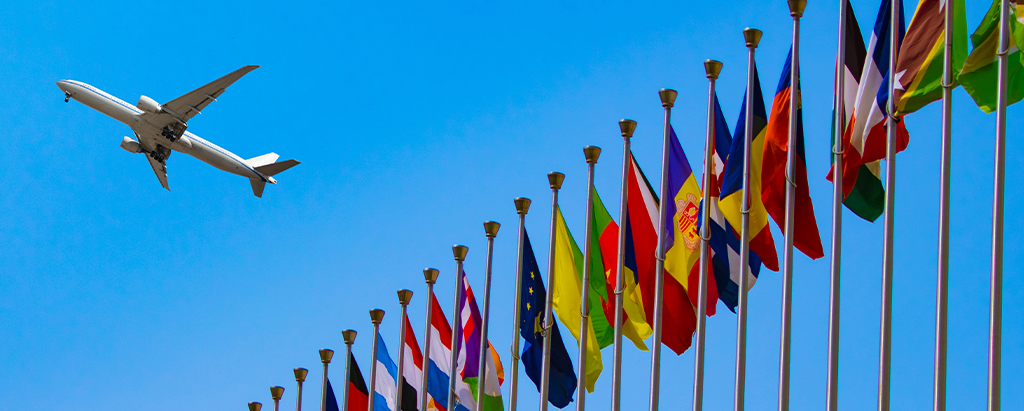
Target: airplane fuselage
149	135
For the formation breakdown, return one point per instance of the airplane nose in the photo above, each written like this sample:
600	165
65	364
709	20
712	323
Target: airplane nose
62	85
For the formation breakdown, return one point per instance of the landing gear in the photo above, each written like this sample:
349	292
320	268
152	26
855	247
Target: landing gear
160	154
67	97
168	133
173	132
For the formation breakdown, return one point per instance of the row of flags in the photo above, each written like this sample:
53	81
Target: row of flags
863	104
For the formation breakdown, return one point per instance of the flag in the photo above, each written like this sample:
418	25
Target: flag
682	241
358	395
384	387
439	360
679	321
469	358
865	141
979	74
725	242
331	400
919	68
562	377
867	197
567	293
730	202
773	168
605	244
412	371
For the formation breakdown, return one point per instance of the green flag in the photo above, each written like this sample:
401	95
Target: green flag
979	75
919	68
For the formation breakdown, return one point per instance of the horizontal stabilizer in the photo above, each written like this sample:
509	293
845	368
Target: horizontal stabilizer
263	160
257	187
272	169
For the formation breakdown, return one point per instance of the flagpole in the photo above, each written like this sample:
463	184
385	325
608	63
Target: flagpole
325	357
430	275
276	392
491	230
942	286
884	368
996	297
752	37
300	377
831	395
627	127
376	316
404	296
555	180
459	251
668	99
350	338
796	10
712	68
522	207
591	153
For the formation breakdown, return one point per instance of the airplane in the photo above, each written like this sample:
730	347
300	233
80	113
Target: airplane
160	129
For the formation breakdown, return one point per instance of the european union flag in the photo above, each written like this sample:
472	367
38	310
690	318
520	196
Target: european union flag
562	381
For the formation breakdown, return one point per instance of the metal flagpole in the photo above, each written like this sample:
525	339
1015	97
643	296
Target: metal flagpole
555	180
255	406
627	127
276	392
885	355
376	316
522	207
325	357
591	153
996	298
796	10
430	275
942	286
350	338
712	68
491	230
832	400
300	377
668	99
460	252
751	37
404	296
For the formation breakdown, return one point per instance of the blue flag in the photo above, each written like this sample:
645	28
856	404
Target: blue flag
562	381
332	401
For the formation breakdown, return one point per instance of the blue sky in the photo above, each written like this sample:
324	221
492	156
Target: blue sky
414	124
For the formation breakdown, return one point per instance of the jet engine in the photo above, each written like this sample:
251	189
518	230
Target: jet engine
130	145
149	105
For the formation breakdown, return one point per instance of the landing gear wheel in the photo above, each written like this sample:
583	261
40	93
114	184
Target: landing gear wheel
67	97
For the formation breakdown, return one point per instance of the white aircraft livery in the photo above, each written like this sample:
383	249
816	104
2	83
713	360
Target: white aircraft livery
160	129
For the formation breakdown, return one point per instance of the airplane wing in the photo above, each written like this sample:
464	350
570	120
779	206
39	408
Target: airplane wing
160	168
185	107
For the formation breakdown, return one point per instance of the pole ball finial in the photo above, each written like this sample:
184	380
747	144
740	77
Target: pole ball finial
522	205
376	315
627	127
276	392
300	374
326	355
796	7
430	274
713	68
349	336
752	37
404	296
555	180
668	97
591	153
460	252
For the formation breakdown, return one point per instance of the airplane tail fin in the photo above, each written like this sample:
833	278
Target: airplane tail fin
263	160
257	187
275	168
